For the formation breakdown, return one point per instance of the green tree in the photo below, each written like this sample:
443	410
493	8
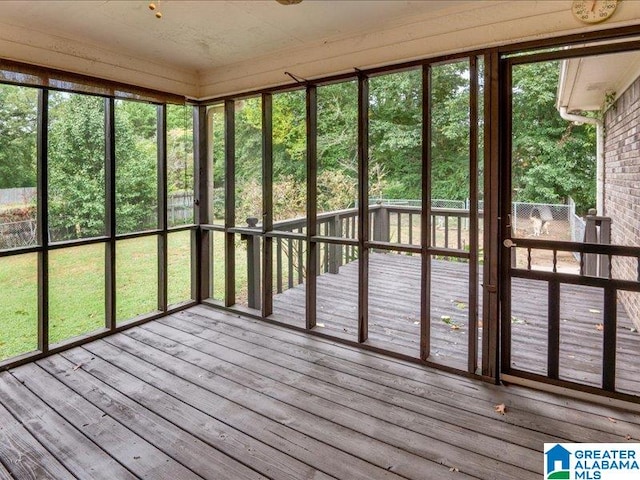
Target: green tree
76	154
552	159
18	125
395	135
136	166
450	129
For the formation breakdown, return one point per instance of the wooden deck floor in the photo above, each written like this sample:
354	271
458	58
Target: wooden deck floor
394	313
205	394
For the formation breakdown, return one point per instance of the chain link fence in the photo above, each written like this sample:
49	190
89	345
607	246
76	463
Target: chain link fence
558	220
562	221
18	234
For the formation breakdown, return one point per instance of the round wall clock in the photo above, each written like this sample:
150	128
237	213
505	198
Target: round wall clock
593	11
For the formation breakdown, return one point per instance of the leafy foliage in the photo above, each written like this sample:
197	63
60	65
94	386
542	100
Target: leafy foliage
18	125
76	157
77	163
552	159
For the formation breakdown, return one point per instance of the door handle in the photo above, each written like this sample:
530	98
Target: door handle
508	243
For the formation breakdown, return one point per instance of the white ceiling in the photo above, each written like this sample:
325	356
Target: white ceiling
200	35
206	49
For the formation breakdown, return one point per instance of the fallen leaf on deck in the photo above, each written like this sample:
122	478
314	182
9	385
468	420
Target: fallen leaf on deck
612	420
460	305
78	366
628	437
454	469
416	323
455	327
599	327
319	324
594	310
446	319
501	409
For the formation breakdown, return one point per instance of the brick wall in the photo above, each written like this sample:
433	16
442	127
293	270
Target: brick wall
622	186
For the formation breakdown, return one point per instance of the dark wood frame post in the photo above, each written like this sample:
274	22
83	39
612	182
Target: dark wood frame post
230	202
201	194
110	208
472	352
43	220
312	205
363	207
267	205
491	218
163	241
425	284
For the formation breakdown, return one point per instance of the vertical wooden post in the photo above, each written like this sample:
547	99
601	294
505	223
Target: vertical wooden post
591	236
201	168
472	353
605	239
597	230
110	208
335	250
253	266
312	207
43	220
609	339
495	122
267	206
381	224
363	207
163	240
553	330
426	220
230	203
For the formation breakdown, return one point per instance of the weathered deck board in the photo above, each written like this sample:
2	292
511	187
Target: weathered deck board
190	451
79	455
266	421
377	419
345	363
324	439
23	455
327	372
227	397
5	475
136	455
220	435
394	318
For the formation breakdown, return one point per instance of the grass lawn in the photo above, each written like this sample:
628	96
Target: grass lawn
77	289
77	286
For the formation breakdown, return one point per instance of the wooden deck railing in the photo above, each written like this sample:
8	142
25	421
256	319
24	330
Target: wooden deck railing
607	281
398	224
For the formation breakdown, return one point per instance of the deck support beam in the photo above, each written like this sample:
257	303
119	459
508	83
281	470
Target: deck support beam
43	220
230	202
312	203
425	284
163	240
201	194
493	121
267	208
363	207
110	184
